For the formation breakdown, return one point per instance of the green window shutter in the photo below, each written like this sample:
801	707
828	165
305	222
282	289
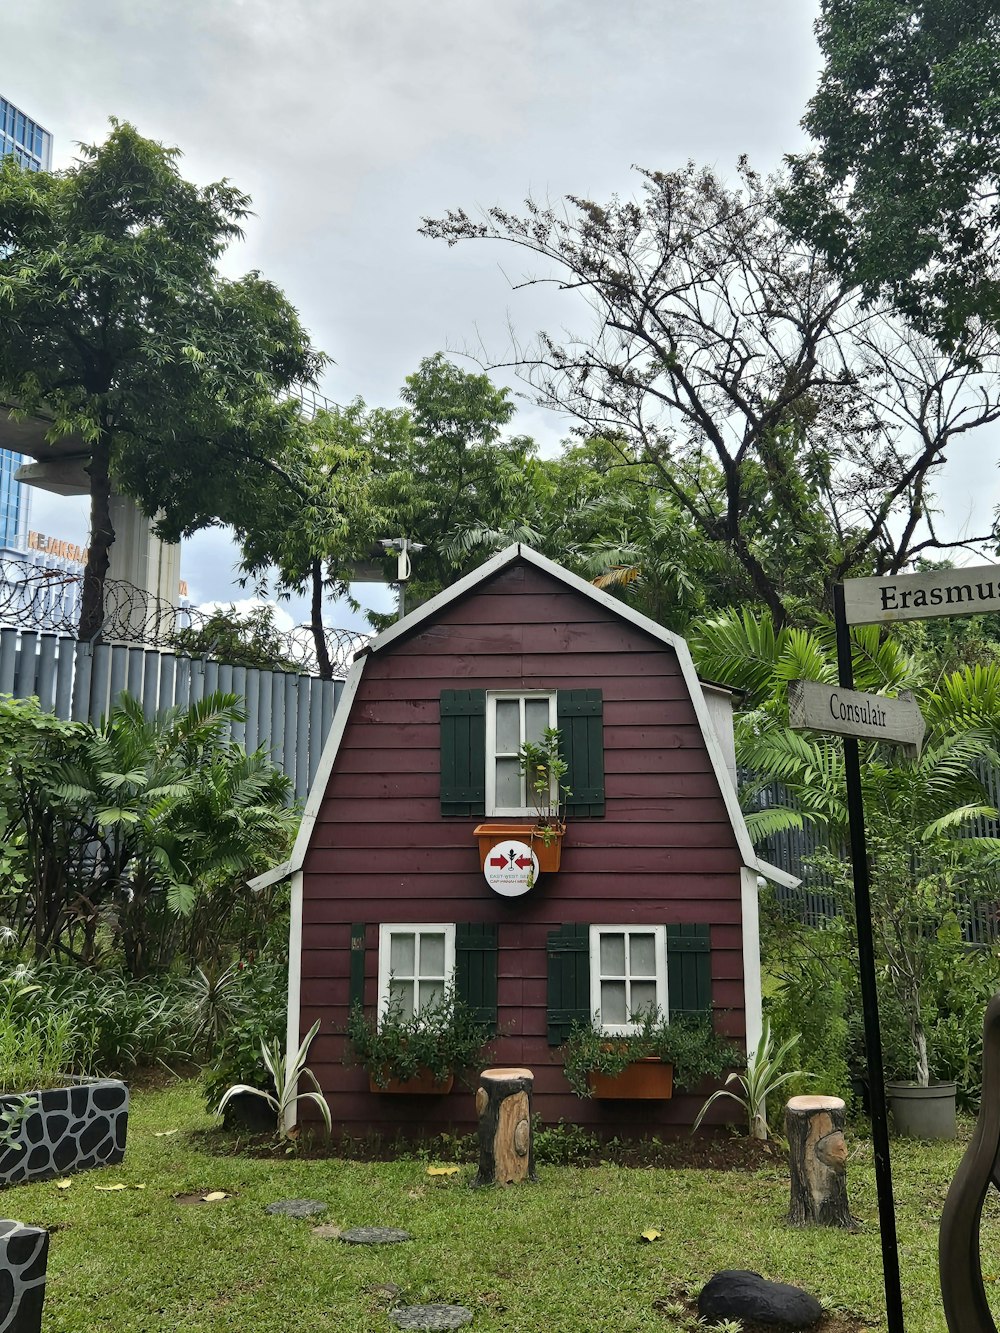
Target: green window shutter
580	719
689	970
357	992
463	752
569	980
476	970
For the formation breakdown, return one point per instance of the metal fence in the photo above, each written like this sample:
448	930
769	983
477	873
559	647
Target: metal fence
287	712
814	902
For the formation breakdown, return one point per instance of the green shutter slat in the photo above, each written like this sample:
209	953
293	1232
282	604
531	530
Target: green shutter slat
463	752
357	992
569	980
476	970
689	970
580	718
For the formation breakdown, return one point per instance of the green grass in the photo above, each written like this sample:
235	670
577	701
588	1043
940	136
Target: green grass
562	1255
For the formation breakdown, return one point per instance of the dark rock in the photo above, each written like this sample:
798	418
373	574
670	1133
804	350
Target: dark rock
297	1207
79	1101
739	1294
110	1096
376	1236
431	1316
64	1155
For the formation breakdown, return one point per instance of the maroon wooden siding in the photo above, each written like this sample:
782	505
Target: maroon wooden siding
382	852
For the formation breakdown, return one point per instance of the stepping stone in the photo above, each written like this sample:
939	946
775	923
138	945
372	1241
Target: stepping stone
378	1236
297	1207
431	1316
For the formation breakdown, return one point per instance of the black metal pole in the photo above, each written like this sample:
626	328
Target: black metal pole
869	989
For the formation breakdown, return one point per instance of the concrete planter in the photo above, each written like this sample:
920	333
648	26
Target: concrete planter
923	1113
71	1129
24	1253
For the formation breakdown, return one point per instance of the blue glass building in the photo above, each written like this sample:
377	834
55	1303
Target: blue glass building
25	139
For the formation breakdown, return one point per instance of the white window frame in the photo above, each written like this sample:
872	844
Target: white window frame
659	934
494	811
385	933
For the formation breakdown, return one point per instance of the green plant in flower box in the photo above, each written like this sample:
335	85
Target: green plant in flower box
443	1037
689	1044
544	769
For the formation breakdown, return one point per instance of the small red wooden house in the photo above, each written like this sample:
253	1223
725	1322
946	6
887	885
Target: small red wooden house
657	866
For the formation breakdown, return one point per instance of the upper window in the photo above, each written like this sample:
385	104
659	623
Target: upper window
416	965
628	975
512	719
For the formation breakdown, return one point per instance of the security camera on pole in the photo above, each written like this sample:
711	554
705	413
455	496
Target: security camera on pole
401	547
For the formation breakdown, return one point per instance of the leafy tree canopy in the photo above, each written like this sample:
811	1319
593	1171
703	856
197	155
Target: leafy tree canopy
797	432
115	321
903	193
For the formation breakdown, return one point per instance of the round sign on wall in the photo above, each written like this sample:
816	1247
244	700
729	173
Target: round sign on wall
511	868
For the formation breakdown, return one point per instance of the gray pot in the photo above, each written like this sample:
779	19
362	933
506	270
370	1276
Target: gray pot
923	1113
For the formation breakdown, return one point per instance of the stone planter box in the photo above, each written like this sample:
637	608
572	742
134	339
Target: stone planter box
75	1128
24	1253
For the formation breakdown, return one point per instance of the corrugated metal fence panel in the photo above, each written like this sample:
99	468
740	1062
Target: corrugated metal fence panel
286	713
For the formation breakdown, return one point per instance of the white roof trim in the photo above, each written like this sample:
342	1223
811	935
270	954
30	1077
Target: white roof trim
317	791
468	584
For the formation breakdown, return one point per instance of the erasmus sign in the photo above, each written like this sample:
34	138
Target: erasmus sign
943	592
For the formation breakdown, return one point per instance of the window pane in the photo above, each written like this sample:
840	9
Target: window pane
642	955
613	1002
401	955
430	991
432	956
612	955
403	992
508	726
536	719
643	996
508	793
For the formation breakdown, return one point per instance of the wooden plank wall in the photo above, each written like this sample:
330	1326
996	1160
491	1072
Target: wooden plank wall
381	851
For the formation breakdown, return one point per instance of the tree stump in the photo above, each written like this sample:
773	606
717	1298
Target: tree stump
817	1157
506	1143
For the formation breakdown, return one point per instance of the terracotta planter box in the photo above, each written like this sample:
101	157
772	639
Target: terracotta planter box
644	1080
421	1085
548	853
70	1129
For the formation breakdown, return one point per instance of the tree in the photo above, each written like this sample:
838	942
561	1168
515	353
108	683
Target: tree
796	430
452	481
307	533
115	320
903	194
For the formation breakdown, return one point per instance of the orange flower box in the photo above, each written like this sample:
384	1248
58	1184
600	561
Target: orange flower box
546	843
648	1079
421	1085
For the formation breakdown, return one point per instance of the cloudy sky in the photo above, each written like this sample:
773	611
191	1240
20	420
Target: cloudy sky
349	120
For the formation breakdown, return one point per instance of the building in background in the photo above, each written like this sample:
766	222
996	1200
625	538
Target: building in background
23	138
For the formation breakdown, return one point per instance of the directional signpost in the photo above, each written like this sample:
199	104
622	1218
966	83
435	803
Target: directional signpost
873	601
848	713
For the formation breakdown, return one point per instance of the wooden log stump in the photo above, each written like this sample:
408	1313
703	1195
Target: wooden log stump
506	1143
817	1158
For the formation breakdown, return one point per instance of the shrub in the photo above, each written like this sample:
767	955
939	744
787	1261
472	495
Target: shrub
259	1004
444	1038
689	1044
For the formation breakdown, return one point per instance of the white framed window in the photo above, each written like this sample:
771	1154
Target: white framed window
628	975
416	965
512	719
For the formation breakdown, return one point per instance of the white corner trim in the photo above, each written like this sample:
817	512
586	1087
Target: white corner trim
752	992
294	981
314	801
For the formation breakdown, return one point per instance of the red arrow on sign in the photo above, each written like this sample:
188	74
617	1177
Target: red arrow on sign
523	862
498	860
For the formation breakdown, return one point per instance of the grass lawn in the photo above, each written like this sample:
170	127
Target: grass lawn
564	1254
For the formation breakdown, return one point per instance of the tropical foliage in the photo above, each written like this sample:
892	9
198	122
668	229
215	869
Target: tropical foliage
925	814
123	830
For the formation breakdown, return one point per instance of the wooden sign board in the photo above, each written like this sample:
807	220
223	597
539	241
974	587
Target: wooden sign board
942	592
816	707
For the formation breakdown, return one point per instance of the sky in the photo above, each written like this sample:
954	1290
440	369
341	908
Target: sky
347	121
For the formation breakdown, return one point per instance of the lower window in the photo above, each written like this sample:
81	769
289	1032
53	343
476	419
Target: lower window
416	965
628	975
